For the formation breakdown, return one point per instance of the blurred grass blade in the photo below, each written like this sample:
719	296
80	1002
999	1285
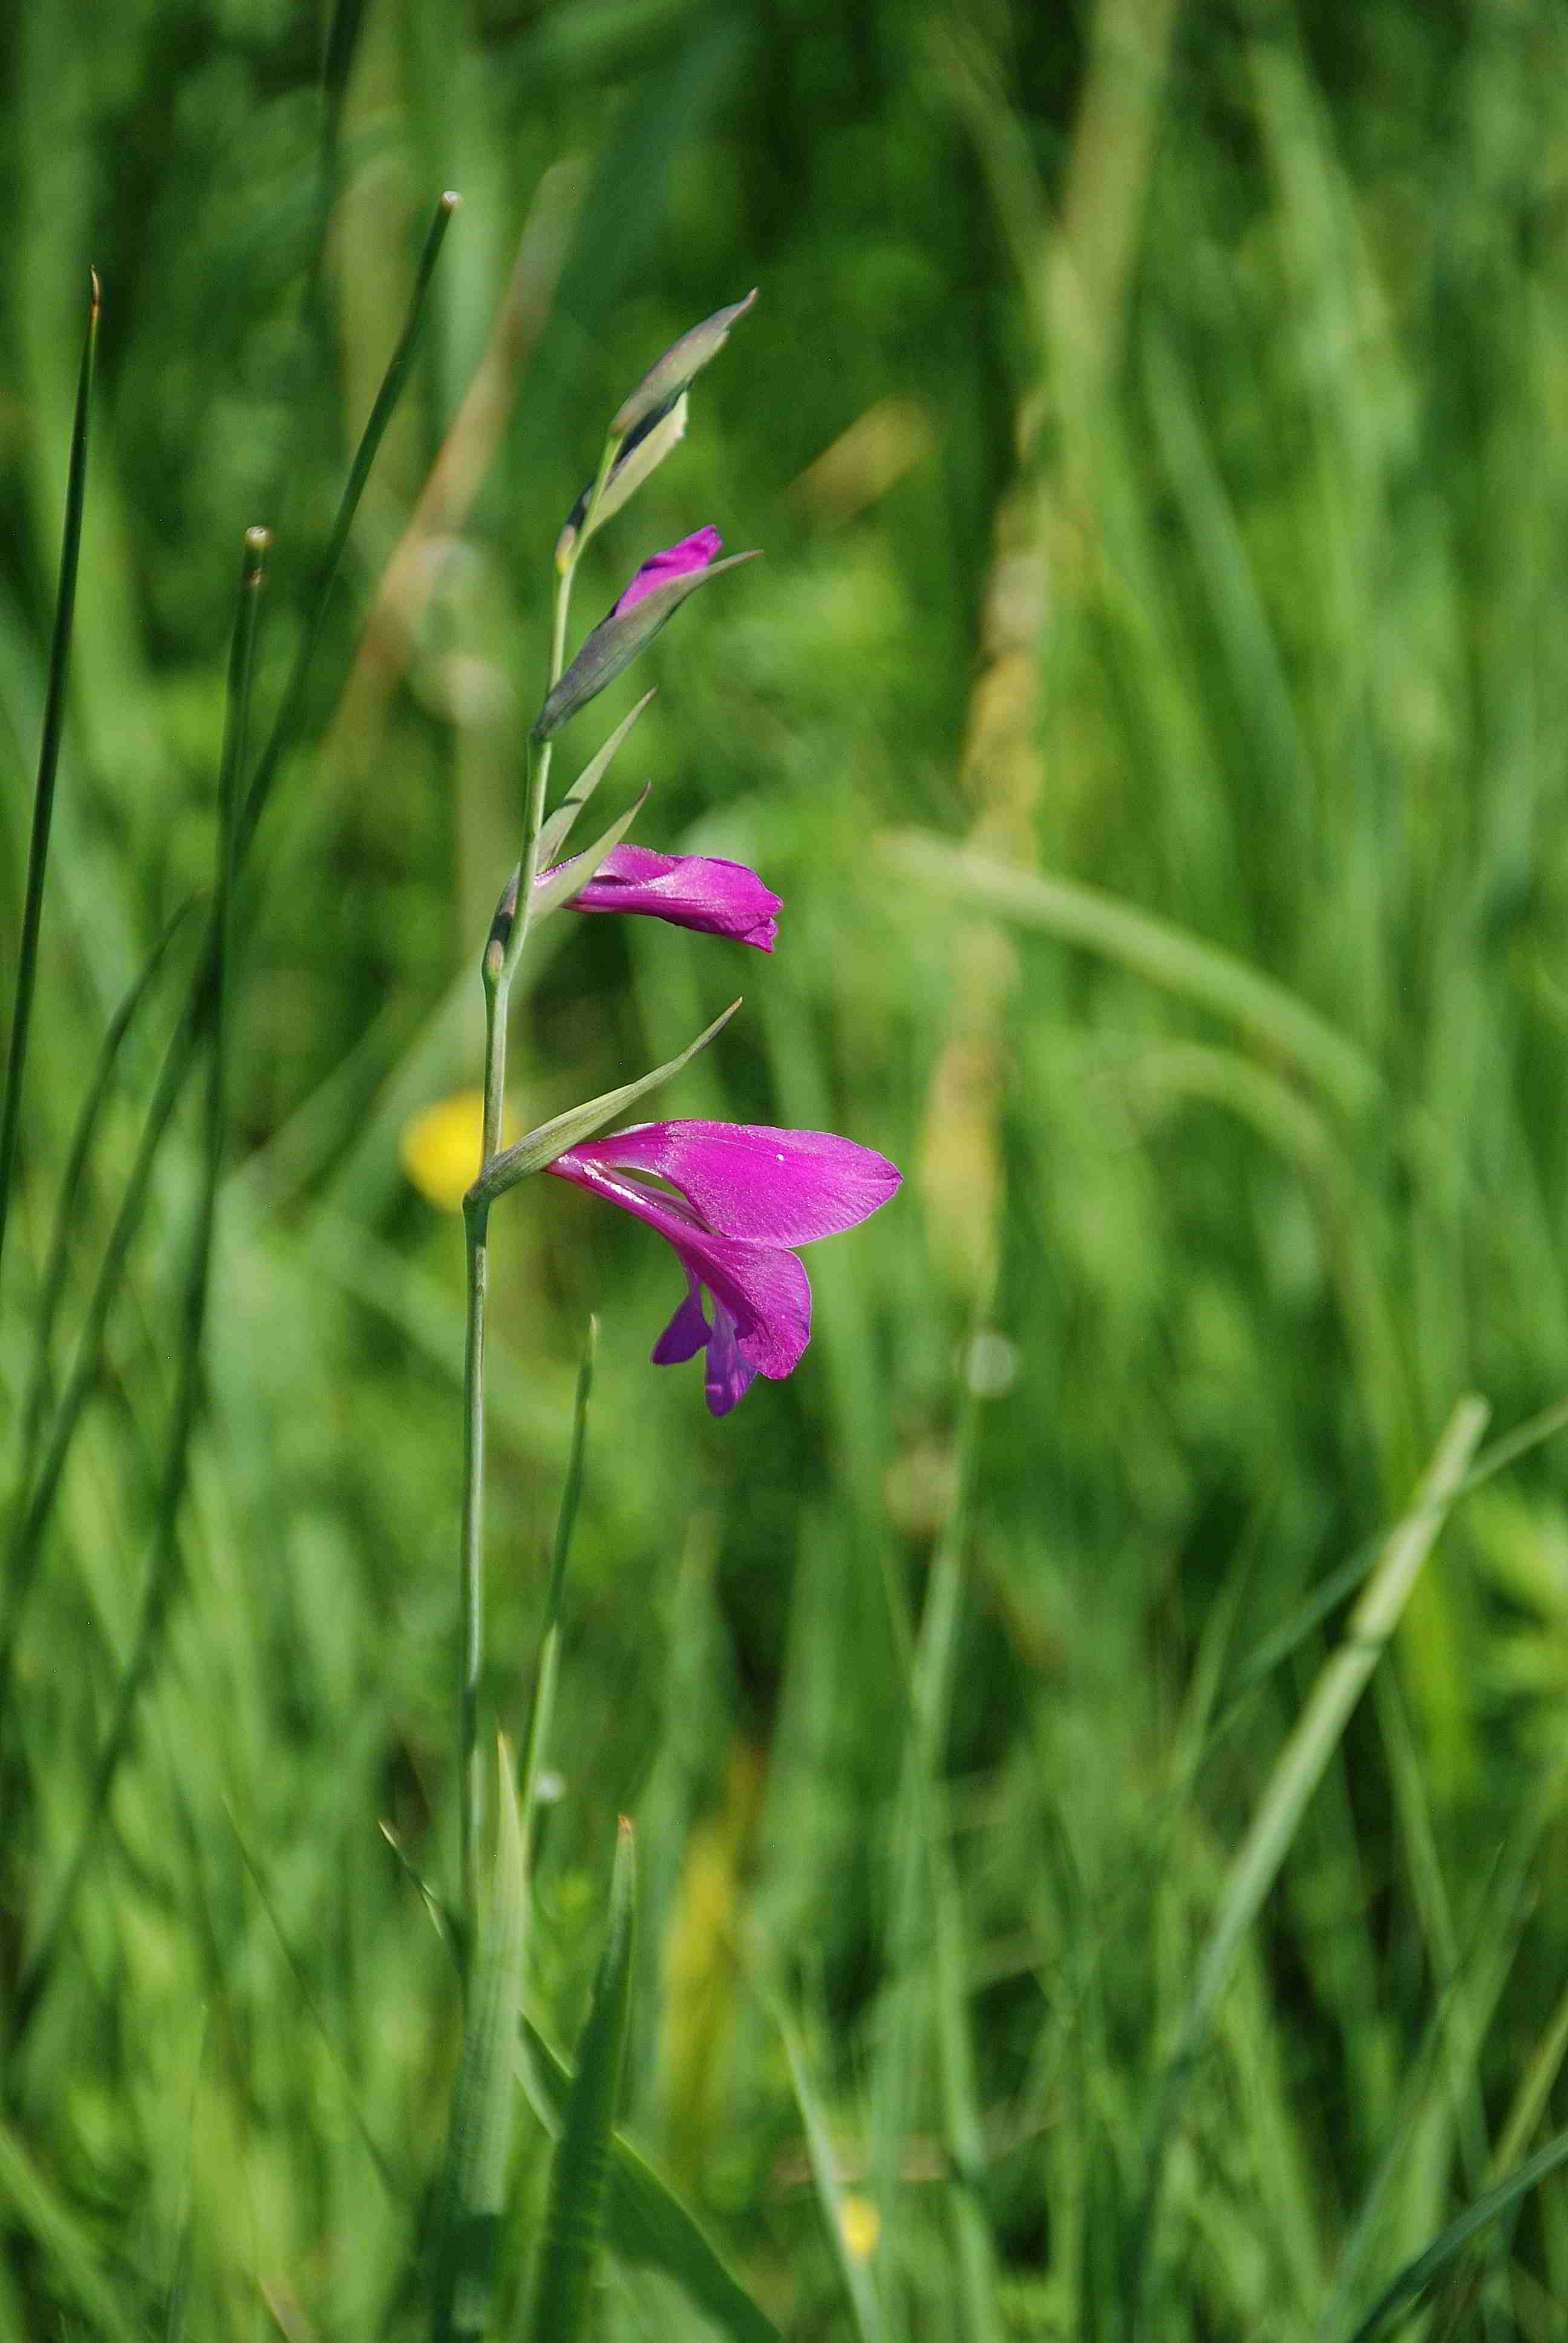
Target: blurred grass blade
544	1700
32	1520
48	761
163	1569
58	1259
580	2172
553	836
1151	947
645	2221
1418	2275
539	1147
864	2308
286	724
1295	1776
485	2106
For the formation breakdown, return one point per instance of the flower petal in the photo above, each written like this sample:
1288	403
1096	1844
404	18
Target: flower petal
769	1187
693	552
687	1332
764	1288
730	1373
689	891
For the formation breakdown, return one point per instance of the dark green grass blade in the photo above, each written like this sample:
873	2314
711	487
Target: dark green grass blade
48	761
164	1567
1295	1776
1418	2275
580	2172
484	2114
57	1259
33	1520
286	724
645	2220
866	2310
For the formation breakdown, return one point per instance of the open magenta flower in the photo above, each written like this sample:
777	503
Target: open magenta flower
689	891
747	1196
694	552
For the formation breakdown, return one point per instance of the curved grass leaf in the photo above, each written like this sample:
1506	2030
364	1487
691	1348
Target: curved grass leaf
484	2110
1418	2275
645	2220
580	2173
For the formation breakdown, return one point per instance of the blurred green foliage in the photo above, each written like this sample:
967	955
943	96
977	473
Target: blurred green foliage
1153	419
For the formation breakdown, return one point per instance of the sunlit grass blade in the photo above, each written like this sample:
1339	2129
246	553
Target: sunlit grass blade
48	762
579	2173
58	1258
1290	1787
543	1708
163	1568
865	2310
1417	2275
484	2107
645	2220
1169	957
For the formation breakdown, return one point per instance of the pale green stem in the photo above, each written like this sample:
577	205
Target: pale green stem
503	950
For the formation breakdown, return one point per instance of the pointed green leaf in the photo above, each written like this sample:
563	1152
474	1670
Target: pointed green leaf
484	2115
645	2220
555	887
640	456
558	828
681	363
580	2173
616	642
539	1147
1418	2275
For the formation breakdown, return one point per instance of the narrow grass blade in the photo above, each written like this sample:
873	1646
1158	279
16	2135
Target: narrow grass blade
559	828
57	1259
645	2220
484	2108
542	1146
580	2173
32	1521
163	1569
1168	957
864	2308
1299	1768
48	761
544	1699
1418	2275
286	724
568	878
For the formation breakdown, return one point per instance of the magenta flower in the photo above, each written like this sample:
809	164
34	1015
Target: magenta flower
748	1195
689	891
694	552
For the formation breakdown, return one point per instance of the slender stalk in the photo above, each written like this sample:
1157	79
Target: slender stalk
32	1520
471	1582
48	761
163	1568
503	950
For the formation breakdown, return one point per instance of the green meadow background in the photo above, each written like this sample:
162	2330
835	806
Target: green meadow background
1153	711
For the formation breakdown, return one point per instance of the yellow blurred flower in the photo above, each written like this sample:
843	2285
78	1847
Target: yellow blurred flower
440	1146
861	2224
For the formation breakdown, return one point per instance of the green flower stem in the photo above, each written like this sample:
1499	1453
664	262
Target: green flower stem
502	950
